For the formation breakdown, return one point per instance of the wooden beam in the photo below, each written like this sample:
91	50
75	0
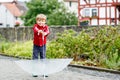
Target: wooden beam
106	12
98	2
117	1
115	15
113	1
110	14
98	16
85	1
79	12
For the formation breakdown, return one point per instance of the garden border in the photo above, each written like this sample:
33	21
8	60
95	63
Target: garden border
96	68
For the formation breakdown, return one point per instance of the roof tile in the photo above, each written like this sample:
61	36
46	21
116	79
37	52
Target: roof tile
13	9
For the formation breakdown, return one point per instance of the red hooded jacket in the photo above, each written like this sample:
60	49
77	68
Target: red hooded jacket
38	38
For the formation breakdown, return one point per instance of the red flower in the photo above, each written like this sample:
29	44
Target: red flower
17	23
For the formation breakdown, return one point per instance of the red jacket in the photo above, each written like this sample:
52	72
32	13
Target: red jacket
38	38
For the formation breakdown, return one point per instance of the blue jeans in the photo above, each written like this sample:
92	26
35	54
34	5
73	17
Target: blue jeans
39	50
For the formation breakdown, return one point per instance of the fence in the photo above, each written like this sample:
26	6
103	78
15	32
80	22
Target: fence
26	33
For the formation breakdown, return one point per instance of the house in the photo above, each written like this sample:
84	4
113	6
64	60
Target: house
10	13
99	12
72	5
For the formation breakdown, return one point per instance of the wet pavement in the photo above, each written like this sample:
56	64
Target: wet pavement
10	71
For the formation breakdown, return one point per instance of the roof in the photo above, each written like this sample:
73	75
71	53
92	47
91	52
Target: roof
16	8
13	9
71	0
84	19
22	6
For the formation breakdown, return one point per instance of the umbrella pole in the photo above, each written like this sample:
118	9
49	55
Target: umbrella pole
43	43
43	51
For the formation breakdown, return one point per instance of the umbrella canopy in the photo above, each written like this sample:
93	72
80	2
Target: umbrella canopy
43	66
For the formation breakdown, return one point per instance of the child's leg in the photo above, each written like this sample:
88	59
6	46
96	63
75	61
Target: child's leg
35	52
43	52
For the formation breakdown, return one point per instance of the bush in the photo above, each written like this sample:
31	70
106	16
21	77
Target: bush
19	49
101	46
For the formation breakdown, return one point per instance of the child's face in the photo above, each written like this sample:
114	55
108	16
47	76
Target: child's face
41	22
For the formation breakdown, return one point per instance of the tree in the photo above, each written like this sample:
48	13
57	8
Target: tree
56	13
62	17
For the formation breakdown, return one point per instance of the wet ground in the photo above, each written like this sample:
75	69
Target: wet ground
10	71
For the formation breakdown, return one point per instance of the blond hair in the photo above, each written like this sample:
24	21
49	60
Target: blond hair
41	16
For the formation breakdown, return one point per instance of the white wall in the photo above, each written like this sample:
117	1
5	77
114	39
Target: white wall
6	17
73	7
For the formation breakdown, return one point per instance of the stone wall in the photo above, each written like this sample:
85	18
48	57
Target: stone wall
26	33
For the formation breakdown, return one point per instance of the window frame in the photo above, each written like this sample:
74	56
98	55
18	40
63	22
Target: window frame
86	12
94	12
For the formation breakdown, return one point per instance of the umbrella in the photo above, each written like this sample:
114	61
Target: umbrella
43	66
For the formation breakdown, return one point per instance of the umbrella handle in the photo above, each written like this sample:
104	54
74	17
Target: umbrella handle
43	44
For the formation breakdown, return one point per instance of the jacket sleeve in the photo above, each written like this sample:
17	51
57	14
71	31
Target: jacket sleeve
35	29
47	30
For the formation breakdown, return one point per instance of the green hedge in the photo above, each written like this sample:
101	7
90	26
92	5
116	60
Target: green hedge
101	45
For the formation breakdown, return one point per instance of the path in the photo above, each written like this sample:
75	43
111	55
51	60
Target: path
10	71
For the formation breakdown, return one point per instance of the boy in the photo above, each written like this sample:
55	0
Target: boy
41	32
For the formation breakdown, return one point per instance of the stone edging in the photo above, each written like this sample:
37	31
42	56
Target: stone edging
95	68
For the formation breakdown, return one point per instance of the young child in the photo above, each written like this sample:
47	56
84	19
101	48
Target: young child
41	32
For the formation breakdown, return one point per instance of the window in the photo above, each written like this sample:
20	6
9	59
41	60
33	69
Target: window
70	3
1	24
90	12
94	12
87	12
7	25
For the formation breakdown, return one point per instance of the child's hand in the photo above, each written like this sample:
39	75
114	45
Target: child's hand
44	33
40	31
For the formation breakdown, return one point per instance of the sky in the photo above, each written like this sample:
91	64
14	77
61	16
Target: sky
12	0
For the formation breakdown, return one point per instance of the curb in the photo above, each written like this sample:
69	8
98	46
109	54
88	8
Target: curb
13	56
95	68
